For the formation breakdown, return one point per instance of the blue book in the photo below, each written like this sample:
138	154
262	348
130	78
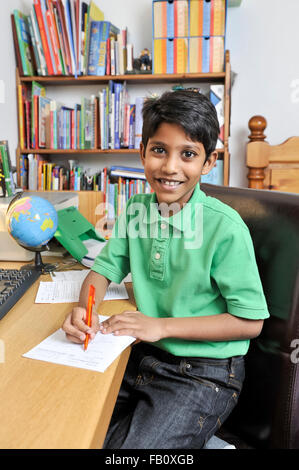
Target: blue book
132	127
94	48
118	89
206	27
205	55
126	168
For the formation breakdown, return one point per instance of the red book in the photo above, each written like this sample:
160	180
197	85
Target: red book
39	16
36	119
28	127
108	56
54	42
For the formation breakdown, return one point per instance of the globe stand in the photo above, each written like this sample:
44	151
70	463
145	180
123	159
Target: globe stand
39	265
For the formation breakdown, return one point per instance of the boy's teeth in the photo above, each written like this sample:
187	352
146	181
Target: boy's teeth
170	183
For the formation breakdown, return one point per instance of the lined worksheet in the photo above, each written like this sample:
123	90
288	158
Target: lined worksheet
100	353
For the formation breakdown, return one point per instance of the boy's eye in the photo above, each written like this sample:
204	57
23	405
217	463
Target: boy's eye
188	154
157	149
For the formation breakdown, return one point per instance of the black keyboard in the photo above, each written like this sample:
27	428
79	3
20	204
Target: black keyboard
14	284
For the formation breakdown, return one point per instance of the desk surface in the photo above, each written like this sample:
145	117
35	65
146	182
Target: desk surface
49	406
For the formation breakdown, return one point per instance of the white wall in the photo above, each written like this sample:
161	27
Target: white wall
262	36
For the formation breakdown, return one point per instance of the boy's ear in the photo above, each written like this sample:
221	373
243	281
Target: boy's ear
210	163
142	153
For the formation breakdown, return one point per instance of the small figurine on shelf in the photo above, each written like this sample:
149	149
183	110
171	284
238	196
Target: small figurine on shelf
144	63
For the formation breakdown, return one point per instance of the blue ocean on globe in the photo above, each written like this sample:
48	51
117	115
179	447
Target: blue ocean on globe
32	221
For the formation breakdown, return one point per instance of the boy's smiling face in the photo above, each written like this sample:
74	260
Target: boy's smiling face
173	164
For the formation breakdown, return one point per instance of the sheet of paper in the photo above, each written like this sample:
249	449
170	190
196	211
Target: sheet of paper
101	352
63	291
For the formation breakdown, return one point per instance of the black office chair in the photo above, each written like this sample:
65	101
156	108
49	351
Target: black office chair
267	415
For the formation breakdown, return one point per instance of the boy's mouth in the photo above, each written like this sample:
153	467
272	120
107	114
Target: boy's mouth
169	183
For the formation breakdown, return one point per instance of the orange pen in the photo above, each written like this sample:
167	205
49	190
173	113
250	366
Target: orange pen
90	303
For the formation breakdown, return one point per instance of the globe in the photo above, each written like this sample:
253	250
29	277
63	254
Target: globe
32	221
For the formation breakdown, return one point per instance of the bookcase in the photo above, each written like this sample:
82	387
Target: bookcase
88	200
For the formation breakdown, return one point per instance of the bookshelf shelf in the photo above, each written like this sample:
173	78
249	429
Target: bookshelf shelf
134	78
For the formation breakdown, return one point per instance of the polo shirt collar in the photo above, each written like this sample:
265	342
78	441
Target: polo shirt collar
152	214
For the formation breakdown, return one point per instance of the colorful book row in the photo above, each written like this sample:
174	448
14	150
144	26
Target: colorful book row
106	121
184	18
66	37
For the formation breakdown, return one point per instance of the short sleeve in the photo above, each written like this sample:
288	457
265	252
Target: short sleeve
235	272
113	262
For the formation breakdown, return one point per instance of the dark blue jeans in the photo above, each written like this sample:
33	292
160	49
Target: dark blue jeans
171	402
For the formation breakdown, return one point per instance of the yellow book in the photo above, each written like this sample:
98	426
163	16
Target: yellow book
21	116
218	27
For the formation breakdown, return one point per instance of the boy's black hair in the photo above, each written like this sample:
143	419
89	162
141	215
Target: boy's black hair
189	109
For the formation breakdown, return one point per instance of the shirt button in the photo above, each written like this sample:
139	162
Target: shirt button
163	226
157	256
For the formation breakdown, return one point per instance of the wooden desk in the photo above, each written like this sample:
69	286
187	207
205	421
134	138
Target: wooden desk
49	406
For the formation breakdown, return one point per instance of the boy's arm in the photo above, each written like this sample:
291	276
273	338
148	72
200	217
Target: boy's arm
222	327
74	324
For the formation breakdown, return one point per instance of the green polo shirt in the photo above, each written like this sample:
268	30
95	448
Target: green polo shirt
196	263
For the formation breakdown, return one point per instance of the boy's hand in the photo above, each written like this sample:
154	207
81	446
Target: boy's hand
134	323
75	325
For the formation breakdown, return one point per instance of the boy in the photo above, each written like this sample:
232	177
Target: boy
196	287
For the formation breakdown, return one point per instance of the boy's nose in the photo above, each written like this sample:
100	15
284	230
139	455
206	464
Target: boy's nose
170	165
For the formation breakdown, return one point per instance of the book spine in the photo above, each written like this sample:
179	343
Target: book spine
132	127
40	21
104	32
21	98
38	41
6	172
64	35
34	44
44	11
94	49
53	43
138	122
23	40
68	21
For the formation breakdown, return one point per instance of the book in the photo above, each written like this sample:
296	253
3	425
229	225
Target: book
22	95
36	91
35	50
68	22
2	179
138	121
53	39
44	140
7	168
16	46
43	35
47	31
196	17
94	13
24	40
38	42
